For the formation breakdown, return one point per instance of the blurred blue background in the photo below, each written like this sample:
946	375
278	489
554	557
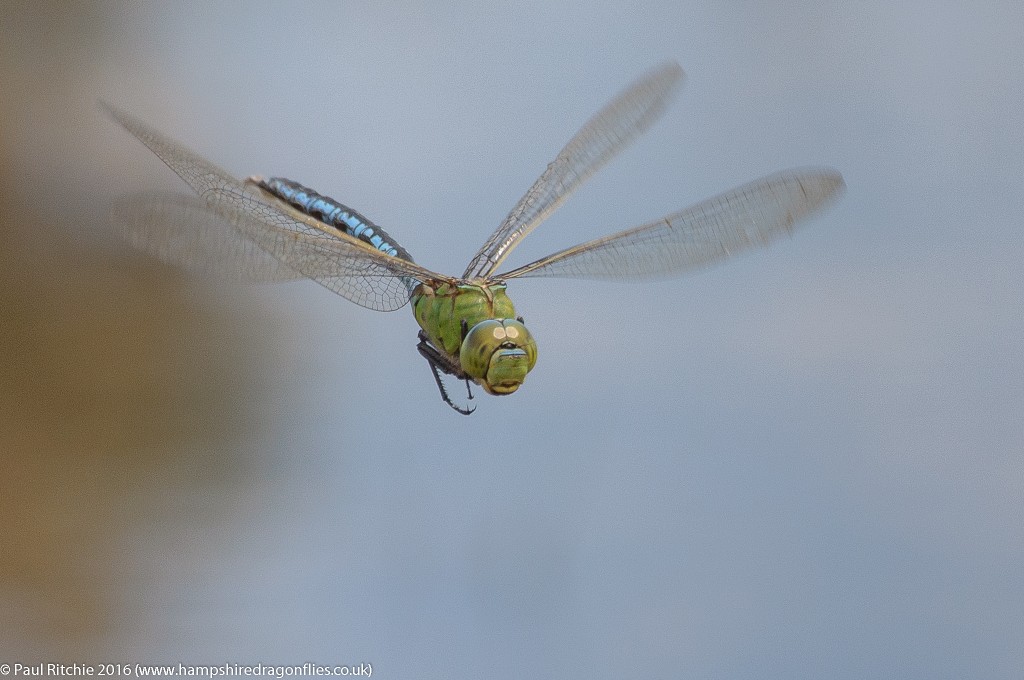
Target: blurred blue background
805	463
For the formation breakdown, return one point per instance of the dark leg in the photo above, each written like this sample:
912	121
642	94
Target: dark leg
465	332
439	361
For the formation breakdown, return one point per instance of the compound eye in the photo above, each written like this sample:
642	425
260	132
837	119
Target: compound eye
481	342
484	340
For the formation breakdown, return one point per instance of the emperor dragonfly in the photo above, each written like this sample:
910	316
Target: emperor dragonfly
275	230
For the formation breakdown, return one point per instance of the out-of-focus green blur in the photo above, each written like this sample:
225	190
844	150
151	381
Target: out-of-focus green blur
122	385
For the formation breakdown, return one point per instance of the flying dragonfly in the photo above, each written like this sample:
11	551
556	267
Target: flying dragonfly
277	230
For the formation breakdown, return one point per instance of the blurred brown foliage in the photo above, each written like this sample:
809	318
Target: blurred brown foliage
118	381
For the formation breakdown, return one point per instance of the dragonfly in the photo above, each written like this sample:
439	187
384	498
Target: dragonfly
278	230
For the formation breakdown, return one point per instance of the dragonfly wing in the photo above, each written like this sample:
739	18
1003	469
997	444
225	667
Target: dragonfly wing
183	230
748	216
608	132
341	263
198	173
299	242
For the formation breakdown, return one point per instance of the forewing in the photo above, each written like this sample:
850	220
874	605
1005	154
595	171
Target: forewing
198	173
604	135
749	216
299	242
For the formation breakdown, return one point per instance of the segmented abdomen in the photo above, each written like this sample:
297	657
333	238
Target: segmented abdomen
337	215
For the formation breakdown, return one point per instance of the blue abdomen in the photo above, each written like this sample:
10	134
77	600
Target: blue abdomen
337	215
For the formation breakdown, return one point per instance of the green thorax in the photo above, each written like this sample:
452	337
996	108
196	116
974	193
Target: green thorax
441	307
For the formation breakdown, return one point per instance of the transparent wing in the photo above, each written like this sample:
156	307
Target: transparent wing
345	265
299	242
608	132
748	216
182	230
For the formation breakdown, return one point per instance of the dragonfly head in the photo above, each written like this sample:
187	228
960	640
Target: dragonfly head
498	353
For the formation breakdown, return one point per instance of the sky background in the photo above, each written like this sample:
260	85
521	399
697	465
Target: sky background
807	462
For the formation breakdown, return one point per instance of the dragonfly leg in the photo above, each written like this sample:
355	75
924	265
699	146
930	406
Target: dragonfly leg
444	393
465	332
438	363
